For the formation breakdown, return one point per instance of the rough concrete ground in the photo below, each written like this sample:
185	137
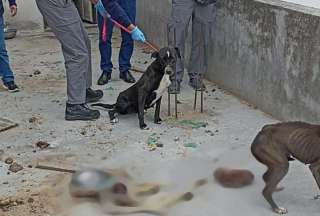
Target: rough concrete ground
225	141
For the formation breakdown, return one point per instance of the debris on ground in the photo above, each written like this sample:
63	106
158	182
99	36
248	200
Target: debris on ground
7	203
190	145
42	145
192	124
36	72
15	167
153	143
9	160
36	120
6	124
209	132
109	88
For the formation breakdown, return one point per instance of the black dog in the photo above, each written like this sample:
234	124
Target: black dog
148	91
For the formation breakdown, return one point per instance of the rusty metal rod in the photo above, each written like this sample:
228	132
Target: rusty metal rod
169	105
201	108
50	168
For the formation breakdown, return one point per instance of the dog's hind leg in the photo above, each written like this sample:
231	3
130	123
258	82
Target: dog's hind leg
157	118
315	169
277	164
275	175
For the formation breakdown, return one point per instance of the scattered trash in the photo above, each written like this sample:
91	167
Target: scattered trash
192	124
160	145
153	142
9	160
190	145
6	124
15	167
209	132
36	72
37	120
42	145
30	200
109	88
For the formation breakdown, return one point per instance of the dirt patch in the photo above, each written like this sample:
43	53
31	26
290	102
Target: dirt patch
41	202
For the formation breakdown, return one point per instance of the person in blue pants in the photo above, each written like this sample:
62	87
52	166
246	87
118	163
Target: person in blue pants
5	70
126	49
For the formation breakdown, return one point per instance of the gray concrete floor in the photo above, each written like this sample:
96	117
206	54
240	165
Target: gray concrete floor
225	141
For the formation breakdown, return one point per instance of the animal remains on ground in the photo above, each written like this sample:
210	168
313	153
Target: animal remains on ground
233	178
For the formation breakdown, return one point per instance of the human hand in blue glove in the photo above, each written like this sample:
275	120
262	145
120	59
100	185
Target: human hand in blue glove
137	35
100	8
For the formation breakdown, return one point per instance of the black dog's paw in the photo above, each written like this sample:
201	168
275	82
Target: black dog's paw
158	121
114	120
316	197
144	127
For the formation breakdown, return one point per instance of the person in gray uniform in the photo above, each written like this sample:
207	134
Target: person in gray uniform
65	22
201	14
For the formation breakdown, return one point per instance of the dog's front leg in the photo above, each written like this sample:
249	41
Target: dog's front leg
157	118
141	104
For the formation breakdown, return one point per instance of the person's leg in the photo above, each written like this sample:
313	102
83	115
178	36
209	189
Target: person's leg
75	51
181	14
105	50
127	43
201	26
5	70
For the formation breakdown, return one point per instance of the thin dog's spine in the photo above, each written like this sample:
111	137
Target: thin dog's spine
106	106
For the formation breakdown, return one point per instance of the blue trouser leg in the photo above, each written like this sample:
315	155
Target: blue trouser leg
5	70
126	49
105	47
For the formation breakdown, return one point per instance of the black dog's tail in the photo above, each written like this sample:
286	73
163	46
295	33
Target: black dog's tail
107	106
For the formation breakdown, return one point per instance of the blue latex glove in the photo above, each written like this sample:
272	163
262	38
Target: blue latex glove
100	8
137	35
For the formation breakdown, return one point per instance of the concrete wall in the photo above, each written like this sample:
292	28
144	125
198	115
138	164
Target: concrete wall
267	53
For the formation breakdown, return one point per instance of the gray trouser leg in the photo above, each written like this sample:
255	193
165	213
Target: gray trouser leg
181	14
88	44
63	18
201	28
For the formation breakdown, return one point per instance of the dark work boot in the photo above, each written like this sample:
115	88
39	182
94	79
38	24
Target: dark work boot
80	112
174	88
104	78
93	96
197	84
127	77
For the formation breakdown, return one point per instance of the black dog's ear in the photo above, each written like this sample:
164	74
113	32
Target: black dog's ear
155	55
178	52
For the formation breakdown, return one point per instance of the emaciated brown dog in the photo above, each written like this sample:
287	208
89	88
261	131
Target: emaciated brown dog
277	144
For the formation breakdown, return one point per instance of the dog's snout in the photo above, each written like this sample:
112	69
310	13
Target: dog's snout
169	70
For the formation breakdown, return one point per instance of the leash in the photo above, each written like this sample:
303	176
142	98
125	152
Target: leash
104	30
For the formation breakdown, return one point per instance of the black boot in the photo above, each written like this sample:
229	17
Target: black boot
104	78
80	112
93	96
127	77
